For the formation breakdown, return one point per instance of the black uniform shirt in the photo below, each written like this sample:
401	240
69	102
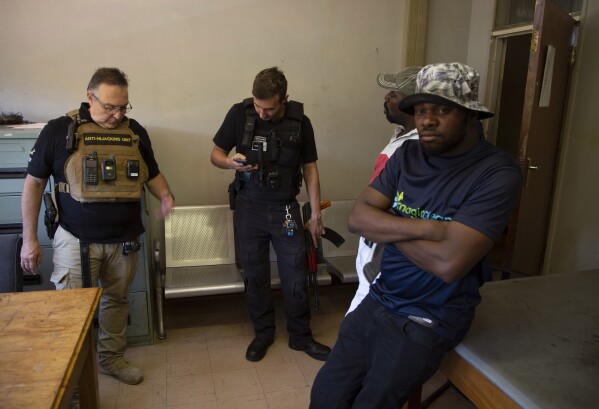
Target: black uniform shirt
95	222
231	132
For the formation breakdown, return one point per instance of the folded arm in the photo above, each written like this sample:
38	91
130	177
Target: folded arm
452	257
447	250
369	218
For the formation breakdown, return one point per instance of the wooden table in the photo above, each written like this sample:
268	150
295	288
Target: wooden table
534	344
47	347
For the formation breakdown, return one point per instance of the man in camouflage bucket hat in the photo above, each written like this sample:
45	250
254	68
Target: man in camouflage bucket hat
439	205
450	84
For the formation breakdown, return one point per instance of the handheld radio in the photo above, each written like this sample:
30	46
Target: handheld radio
90	169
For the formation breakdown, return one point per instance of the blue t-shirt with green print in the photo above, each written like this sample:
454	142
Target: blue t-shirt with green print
479	189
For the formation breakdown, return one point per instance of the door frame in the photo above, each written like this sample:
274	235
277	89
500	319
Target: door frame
495	75
495	71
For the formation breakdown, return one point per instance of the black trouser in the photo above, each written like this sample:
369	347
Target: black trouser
257	224
378	360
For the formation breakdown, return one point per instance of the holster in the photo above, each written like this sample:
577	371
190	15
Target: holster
50	215
232	195
234	189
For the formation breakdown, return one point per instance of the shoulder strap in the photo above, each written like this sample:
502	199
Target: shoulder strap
295	110
71	139
74	114
250	122
248	107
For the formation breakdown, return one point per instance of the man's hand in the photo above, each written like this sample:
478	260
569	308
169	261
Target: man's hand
239	162
31	256
220	158
316	228
166	204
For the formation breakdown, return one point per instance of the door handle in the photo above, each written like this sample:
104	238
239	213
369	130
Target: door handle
530	167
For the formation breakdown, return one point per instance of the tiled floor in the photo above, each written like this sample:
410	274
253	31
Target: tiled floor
201	364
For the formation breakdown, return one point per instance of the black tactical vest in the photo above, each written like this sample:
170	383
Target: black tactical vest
276	148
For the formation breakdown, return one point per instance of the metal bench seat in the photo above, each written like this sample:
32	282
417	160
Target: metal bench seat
341	261
199	256
182	282
343	267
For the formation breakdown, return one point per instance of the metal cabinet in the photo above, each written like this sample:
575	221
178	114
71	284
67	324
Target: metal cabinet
15	145
140	330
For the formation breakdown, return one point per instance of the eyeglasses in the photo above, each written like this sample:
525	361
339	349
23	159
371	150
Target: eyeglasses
111	109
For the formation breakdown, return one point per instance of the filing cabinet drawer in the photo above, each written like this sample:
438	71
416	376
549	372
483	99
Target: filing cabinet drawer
11	209
11	214
138	314
13	185
14	153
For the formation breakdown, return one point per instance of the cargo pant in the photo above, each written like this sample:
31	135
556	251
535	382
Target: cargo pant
257	225
113	271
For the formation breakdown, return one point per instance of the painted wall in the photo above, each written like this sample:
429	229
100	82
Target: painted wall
447	31
460	30
574	232
189	61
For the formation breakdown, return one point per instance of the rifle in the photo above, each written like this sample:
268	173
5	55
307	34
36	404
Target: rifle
311	254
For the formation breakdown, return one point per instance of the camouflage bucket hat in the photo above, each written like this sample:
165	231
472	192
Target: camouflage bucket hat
403	81
450	84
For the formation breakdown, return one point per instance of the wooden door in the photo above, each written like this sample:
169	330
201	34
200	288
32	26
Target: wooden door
544	107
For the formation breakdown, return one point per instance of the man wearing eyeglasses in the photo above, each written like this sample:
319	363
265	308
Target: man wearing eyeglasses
100	161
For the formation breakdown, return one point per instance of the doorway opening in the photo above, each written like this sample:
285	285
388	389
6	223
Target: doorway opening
511	100
508	108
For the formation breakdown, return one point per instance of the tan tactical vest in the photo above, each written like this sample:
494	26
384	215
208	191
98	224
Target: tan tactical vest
119	144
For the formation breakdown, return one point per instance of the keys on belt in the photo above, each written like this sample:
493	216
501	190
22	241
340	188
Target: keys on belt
130	247
289	226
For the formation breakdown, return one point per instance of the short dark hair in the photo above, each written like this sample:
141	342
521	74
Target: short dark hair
270	82
110	76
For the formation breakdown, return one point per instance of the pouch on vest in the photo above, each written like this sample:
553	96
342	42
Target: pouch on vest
289	156
113	153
